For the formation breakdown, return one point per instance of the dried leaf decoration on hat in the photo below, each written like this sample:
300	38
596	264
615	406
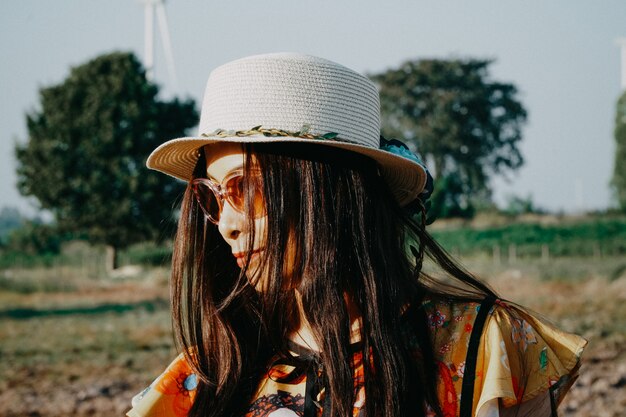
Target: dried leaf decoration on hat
269	132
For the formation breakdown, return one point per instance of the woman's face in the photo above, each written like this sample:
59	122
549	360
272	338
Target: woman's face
221	161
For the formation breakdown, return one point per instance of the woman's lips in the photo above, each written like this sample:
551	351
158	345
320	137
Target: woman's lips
241	256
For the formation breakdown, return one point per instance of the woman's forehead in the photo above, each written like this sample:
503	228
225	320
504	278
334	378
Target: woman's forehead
222	159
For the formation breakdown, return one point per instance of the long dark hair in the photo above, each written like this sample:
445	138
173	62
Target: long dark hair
334	211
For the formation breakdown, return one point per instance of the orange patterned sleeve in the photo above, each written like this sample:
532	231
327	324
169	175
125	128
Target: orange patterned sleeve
170	395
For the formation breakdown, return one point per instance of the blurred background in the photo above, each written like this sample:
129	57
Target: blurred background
518	109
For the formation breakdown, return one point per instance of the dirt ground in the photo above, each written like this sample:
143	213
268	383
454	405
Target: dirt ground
86	349
596	309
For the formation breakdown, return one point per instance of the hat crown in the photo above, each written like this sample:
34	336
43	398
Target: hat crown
295	98
287	91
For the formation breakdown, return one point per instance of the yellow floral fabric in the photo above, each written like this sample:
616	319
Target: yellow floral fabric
519	357
522	356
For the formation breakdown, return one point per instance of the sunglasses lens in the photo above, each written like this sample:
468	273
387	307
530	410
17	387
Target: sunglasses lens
236	192
208	201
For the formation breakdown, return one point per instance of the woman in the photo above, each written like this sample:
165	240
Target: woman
297	278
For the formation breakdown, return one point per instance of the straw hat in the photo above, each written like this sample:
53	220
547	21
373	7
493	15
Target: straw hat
288	97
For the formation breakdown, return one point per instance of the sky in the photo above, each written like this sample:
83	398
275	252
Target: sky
561	54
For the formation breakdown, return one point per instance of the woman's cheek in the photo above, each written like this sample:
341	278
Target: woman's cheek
260	232
256	272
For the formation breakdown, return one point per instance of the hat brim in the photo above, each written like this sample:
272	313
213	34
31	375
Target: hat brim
178	157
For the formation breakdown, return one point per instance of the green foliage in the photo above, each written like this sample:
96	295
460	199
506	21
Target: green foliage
33	244
618	182
85	156
517	205
10	219
35	238
147	254
466	126
606	236
38	245
449	200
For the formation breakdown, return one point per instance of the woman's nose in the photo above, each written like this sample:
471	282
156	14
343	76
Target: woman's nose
231	222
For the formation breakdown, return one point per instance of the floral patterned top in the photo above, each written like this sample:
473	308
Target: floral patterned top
518	358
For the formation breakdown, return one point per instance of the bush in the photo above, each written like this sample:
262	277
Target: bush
593	237
35	238
147	253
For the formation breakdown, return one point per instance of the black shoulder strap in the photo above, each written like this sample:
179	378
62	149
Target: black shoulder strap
469	376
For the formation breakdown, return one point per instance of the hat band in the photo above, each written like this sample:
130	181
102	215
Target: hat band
303	133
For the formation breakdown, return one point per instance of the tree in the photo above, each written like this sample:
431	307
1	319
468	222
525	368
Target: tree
36	238
618	182
84	159
10	219
466	126
517	205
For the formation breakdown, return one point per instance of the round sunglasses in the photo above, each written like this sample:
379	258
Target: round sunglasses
211	194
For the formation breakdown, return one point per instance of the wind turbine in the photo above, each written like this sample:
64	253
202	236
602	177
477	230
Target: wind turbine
621	42
152	7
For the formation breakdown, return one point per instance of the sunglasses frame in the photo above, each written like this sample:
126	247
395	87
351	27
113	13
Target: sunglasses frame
220	192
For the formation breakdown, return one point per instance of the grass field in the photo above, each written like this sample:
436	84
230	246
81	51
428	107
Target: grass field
71	345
